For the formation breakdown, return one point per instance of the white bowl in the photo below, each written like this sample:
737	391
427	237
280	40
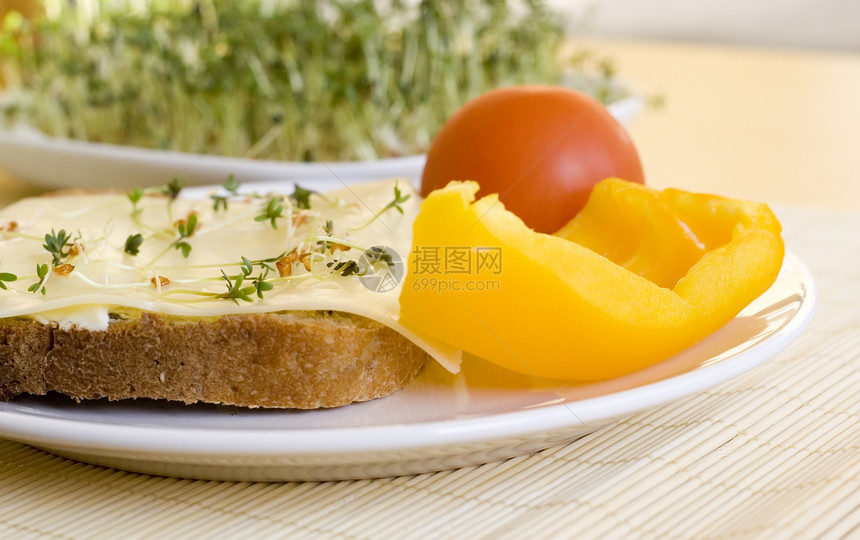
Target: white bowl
50	162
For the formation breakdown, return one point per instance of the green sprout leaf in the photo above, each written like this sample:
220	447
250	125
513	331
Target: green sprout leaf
135	196
133	243
6	277
54	244
42	275
185	229
231	185
399	198
261	285
378	254
219	202
345	268
184	247
302	197
274	210
247	266
235	291
173	188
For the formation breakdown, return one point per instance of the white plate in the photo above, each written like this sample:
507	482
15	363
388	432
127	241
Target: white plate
30	155
440	421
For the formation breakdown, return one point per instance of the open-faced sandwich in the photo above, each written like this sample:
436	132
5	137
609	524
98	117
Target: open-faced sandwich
258	300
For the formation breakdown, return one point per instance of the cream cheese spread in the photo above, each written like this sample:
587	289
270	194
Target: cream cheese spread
97	268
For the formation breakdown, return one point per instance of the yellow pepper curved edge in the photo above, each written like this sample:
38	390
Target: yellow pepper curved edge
554	308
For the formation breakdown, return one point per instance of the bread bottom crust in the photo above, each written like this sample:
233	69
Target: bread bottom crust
302	360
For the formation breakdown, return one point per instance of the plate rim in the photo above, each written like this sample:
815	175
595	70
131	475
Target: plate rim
87	435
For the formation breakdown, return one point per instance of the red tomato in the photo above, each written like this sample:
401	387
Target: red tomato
541	148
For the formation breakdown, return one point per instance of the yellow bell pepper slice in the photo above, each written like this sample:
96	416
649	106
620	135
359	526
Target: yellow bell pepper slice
629	224
543	305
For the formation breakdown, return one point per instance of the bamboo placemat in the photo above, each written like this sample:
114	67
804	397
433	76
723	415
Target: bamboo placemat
775	453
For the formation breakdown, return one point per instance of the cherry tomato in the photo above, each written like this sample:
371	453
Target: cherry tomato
541	148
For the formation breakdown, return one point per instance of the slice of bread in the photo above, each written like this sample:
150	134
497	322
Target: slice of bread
294	359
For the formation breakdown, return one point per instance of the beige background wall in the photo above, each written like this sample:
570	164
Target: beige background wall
829	24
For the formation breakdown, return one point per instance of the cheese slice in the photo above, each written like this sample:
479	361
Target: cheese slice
337	229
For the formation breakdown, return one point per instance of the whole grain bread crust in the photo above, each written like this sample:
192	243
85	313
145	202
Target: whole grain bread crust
305	360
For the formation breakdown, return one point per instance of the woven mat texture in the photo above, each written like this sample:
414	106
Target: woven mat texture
774	453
